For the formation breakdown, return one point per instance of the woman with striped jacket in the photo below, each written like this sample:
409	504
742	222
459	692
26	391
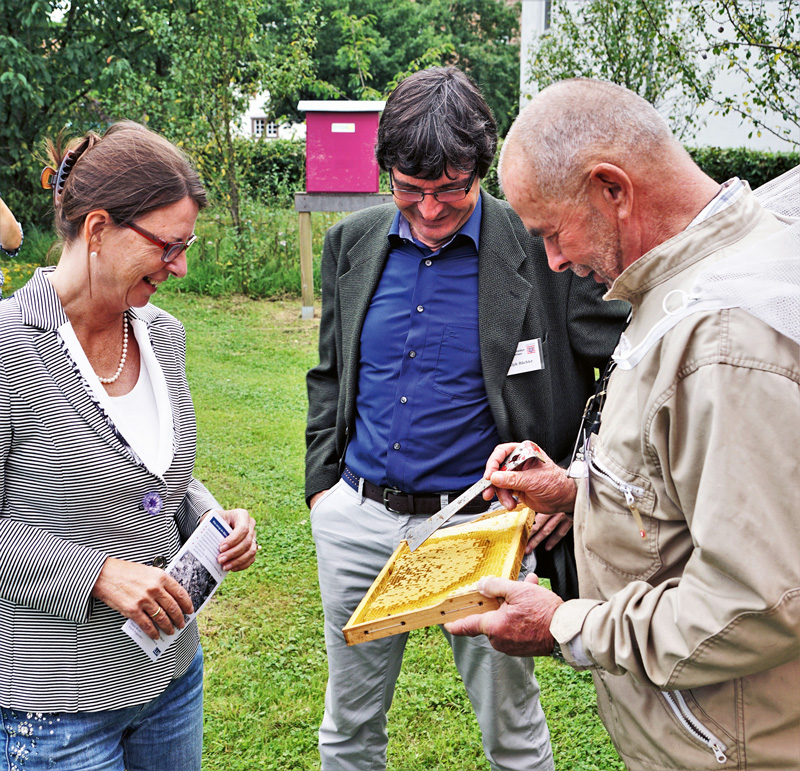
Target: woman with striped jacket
97	448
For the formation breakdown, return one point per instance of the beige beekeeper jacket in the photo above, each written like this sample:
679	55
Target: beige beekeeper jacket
694	630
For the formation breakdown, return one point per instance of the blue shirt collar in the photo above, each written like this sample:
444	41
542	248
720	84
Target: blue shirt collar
470	229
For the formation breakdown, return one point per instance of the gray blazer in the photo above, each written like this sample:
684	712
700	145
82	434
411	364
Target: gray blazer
71	495
519	298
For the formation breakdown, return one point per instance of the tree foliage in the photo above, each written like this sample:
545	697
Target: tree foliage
364	47
54	57
359	43
760	41
672	53
618	41
187	68
207	86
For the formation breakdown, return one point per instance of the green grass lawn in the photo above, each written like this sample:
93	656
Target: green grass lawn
262	634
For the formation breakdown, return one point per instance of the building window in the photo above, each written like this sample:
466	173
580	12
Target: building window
272	130
257	126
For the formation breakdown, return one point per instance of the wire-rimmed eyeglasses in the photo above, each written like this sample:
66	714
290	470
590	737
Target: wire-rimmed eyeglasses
171	248
442	196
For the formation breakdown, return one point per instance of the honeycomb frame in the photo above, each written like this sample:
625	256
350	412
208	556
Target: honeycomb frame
438	581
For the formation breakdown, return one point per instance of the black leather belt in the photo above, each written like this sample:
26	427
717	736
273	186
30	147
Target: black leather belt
409	503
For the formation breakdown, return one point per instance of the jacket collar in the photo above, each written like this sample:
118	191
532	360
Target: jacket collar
40	308
499	261
686	249
38	302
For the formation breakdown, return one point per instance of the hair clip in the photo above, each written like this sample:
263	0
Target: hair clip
55	180
48	176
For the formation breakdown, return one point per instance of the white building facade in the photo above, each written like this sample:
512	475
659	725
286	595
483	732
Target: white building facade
257	122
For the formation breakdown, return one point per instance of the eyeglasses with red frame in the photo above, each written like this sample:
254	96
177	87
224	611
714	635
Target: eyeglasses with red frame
171	248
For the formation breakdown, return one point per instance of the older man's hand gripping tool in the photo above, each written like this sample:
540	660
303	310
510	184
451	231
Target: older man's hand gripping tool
418	535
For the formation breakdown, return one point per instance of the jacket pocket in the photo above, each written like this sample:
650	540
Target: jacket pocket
620	520
694	726
632	493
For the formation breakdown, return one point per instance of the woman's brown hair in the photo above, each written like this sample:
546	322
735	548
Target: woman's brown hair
128	171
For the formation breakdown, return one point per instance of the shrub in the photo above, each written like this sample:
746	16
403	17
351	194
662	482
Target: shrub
263	261
272	171
757	167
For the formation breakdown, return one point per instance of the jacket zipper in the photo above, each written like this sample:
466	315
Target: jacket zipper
629	491
681	709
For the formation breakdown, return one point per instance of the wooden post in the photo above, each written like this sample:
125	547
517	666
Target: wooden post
306	265
304	204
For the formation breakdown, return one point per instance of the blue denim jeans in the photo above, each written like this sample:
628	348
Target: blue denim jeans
165	734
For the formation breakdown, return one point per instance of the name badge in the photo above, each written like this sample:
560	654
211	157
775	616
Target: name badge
528	357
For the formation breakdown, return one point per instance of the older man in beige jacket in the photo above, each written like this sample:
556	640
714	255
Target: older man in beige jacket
686	483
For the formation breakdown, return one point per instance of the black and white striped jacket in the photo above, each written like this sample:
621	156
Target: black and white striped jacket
71	493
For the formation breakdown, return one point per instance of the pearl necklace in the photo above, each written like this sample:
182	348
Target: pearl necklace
107	380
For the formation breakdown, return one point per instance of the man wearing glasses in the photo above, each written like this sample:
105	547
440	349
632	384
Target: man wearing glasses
442	332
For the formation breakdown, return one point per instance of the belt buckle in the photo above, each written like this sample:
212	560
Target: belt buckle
387	491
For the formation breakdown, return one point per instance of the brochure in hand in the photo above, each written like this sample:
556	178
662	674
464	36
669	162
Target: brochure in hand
196	569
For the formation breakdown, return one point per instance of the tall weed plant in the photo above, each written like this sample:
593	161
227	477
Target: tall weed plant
263	260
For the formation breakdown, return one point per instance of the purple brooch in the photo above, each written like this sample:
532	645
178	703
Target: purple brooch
152	503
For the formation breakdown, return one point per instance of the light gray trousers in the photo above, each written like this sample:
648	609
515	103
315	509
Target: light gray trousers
354	538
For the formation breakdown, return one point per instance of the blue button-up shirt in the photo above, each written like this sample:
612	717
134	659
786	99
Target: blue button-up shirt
423	422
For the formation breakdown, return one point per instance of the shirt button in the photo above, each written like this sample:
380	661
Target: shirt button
396	445
160	562
420	308
412	354
428	263
403	400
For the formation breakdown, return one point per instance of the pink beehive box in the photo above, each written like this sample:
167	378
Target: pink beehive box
340	146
